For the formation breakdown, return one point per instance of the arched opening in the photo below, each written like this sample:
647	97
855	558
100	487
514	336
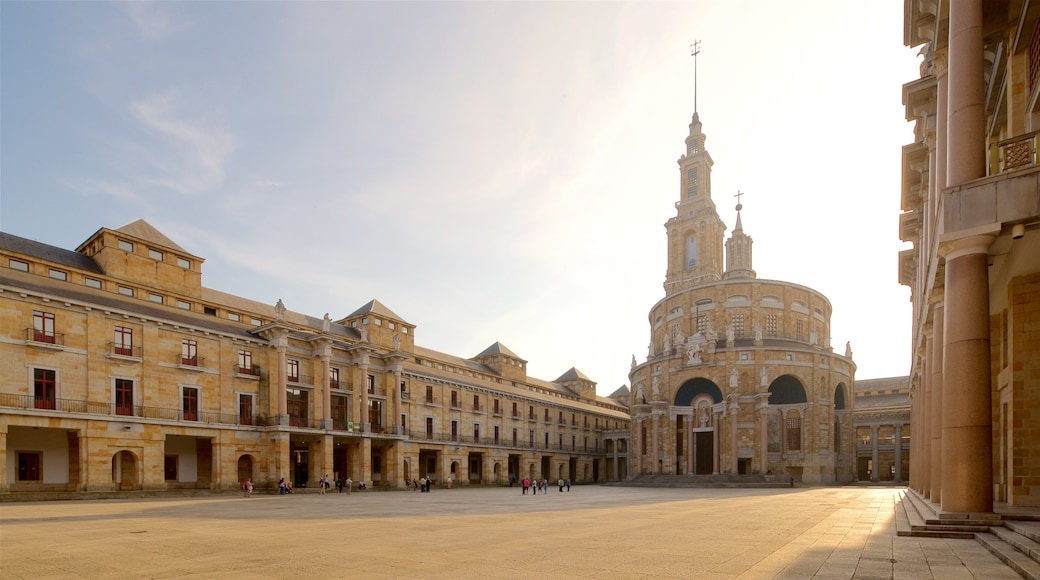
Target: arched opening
407	471
839	397
692	388
786	390
245	468
124	470
496	471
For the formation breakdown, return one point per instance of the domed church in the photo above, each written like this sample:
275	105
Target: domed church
740	376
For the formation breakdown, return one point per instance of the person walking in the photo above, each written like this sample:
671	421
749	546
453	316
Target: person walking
526	483
559	483
321	486
568	484
247	488
349	485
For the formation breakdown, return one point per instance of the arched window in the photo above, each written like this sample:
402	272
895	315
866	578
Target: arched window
691	253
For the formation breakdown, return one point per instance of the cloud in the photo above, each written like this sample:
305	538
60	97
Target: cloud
197	163
89	186
153	20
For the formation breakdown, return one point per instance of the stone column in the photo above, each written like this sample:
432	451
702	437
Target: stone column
281	344
874	454
688	438
616	441
734	409
716	444
967	438
935	423
966	136
326	389
364	461
365	426
638	448
397	404
928	411
4	486
654	442
899	452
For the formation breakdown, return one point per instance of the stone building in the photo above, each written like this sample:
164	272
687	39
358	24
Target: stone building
740	376
882	425
121	371
971	204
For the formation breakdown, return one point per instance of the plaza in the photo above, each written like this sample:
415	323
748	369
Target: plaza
485	532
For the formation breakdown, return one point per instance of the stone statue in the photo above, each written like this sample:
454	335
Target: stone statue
710	334
279	310
633	362
363	331
667	343
848	349
765	377
734	377
397	341
702	416
326	323
758	332
813	335
693	351
731	335
677	335
656	388
640	395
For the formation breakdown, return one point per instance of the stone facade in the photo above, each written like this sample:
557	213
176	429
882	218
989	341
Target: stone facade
121	371
882	424
740	376
971	203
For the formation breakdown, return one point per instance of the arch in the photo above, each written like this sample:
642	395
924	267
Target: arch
454	470
839	397
786	390
691	252
407	471
124	470
693	387
245	467
496	472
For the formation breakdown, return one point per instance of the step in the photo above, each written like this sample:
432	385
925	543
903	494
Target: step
1029	529
1028	546
1017	561
902	520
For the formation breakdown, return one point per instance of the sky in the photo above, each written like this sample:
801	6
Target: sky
490	171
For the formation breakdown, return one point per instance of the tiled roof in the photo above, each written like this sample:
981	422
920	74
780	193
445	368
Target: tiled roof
48	253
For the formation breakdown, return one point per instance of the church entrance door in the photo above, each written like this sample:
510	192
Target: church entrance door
703	448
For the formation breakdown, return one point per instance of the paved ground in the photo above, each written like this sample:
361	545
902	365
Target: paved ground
590	532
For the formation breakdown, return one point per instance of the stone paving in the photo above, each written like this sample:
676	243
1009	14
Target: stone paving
589	532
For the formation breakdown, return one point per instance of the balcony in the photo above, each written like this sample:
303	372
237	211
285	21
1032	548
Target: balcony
121	351
45	337
299	379
250	371
192	362
28	402
1013	153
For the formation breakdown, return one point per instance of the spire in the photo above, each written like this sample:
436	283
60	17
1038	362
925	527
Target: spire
695	49
738	249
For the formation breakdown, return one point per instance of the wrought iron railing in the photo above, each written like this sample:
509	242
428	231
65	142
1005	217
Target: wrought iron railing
44	337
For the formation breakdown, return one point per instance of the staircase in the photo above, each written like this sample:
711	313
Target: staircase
1013	538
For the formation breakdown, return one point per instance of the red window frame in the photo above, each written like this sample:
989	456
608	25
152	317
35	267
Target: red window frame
123	341
429	427
245	409
339	412
454	430
371	384
333	377
296	406
190	403
292	370
43	326
44	388
124	397
189	352
245	362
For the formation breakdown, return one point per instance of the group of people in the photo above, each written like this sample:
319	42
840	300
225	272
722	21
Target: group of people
535	484
422	484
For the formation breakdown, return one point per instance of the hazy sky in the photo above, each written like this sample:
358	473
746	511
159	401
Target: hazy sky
489	171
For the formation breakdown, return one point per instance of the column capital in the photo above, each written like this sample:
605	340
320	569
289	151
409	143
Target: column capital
974	241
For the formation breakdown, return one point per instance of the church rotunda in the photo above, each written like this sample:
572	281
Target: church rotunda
740	376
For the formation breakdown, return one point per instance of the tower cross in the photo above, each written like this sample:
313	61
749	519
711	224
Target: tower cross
695	49
739	193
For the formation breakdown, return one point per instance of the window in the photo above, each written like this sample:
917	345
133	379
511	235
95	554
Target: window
333	377
123	344
375	416
546	439
190	403
209	311
157	298
691	180
799	329
126	291
429	427
184	305
155	254
296	405
234	316
404	391
189	352
30	464
530	438
476	432
516	413
43	326
546	417
340	418
454	430
476	402
530	412
514	436
561	418
170	468
256	322
371	384
292	370
454	399
91	283
496	434
18	265
184	263
770	325
44	388
58	275
126	246
429	394
245	409
498	411
124	397
738	325
794	433
245	362
574	443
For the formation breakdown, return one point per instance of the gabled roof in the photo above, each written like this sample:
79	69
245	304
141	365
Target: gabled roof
574	374
143	230
19	245
375	307
622	392
498	348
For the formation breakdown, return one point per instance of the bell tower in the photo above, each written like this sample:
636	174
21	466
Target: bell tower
695	234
